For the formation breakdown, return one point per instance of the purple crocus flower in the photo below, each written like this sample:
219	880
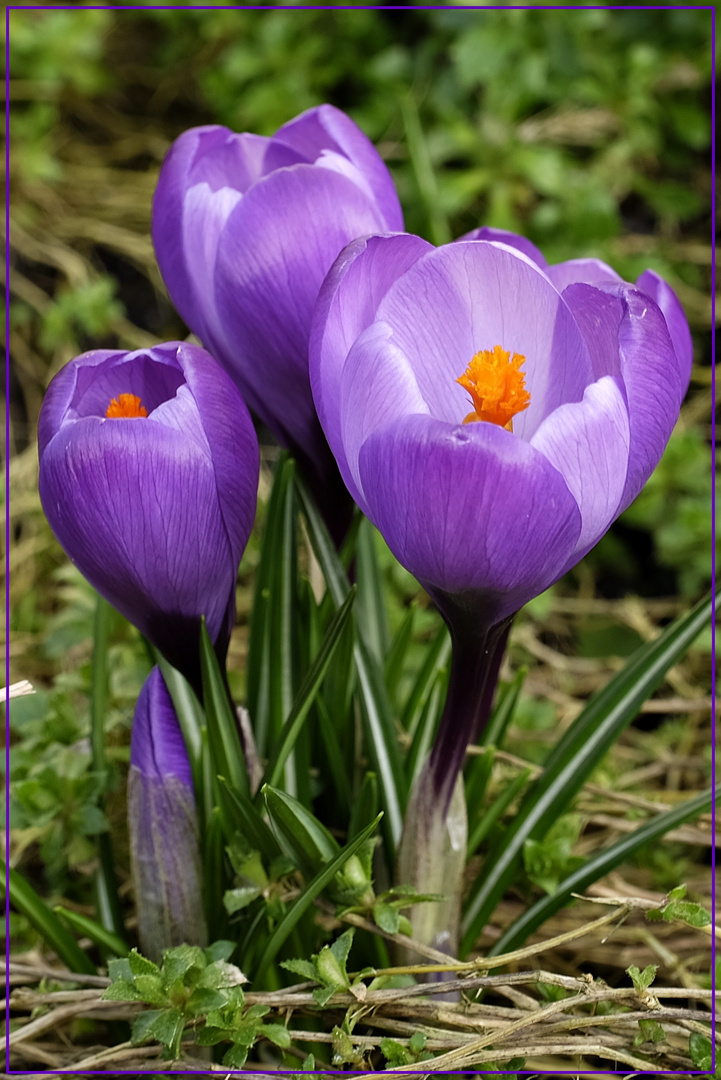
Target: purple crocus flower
492	417
245	229
148	477
163	827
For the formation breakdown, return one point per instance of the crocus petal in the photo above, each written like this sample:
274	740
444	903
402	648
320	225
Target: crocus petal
588	442
118	491
346	306
660	291
469	509
325	127
588	271
163	827
503	236
464	297
266	286
628	325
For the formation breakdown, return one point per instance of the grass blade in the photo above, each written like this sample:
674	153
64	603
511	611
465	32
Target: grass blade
223	738
245	818
105	881
496	810
110	943
503	713
601	864
272	661
437	657
376	712
426	728
308	690
313	889
439	229
306	839
25	900
371	614
393	667
576	755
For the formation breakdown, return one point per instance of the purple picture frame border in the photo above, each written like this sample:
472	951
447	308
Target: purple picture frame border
463	8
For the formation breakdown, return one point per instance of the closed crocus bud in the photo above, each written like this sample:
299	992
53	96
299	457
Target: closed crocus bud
163	827
148	477
492	417
245	229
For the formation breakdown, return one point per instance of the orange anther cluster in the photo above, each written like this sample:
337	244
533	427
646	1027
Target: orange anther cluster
497	387
125	405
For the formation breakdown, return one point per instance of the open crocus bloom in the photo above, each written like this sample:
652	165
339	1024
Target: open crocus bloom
245	229
163	826
490	416
148	477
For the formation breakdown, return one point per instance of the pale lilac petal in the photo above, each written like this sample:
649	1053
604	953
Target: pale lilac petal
266	286
503	236
588	442
157	747
205	213
346	306
660	291
469	510
586	271
325	128
630	341
470	296
378	386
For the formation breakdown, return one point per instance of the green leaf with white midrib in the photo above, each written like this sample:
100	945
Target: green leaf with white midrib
308	690
376	714
602	863
313	889
25	900
570	763
223	737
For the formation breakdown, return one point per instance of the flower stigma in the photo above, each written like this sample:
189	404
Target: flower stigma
125	405
497	387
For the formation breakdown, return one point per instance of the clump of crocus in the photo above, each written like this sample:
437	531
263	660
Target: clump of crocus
148	477
163	827
492	417
245	229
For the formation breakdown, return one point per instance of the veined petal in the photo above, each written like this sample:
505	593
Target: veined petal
469	509
326	128
465	297
157	746
205	213
346	306
514	240
588	442
378	386
660	291
586	271
278	245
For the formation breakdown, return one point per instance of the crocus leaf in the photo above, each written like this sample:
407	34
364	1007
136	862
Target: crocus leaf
496	810
331	747
25	900
371	613
249	822
109	942
313	889
376	712
503	713
600	864
393	667
579	751
306	839
426	727
365	805
308	690
437	657
223	738
106	885
271	658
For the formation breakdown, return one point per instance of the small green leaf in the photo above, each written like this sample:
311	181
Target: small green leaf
220	975
236	1057
219	950
686	911
168	1029
678	893
395	1053
139	965
202	1001
313	889
178	961
120	969
386	917
330	971
305	838
151	989
121	990
277	1034
700	1051
417	1042
642	979
650	1031
301	967
142	1025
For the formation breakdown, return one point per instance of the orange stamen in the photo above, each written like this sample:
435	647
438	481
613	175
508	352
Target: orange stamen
497	387
125	405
